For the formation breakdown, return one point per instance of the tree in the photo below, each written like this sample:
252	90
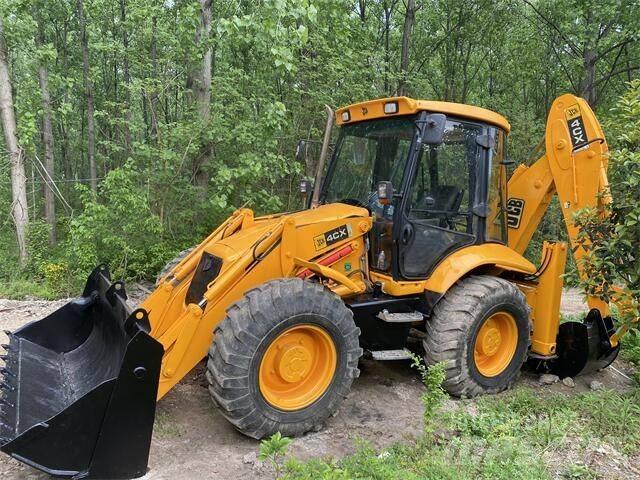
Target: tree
88	94
47	133
590	40
19	210
203	93
406	40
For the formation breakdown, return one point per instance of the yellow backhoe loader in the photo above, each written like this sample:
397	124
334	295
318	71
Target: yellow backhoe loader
414	228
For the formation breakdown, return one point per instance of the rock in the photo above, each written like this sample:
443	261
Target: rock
596	385
548	379
568	382
250	458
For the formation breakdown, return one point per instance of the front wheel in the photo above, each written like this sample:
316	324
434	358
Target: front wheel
283	359
481	331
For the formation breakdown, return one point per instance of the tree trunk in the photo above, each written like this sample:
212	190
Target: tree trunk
88	93
19	210
588	87
127	80
47	138
387	59
406	41
203	94
154	90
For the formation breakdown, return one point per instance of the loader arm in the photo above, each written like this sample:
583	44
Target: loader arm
241	254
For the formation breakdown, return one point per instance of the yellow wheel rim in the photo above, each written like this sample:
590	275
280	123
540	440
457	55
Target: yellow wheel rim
297	367
495	344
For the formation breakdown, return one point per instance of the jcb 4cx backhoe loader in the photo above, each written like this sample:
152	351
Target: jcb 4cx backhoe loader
413	229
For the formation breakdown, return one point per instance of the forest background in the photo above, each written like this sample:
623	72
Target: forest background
131	128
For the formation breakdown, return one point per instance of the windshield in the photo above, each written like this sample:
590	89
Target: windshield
368	153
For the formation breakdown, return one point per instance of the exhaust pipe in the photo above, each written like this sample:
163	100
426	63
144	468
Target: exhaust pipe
79	387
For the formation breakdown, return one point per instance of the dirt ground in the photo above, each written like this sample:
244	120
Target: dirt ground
192	440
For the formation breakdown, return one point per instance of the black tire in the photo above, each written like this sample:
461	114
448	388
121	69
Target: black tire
250	327
173	263
454	326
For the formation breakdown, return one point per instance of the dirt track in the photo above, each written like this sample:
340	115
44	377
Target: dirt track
191	440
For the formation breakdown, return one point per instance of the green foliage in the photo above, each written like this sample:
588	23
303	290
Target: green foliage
631	348
118	226
434	395
274	450
274	67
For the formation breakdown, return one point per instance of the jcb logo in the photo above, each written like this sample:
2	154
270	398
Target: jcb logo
576	125
515	207
332	236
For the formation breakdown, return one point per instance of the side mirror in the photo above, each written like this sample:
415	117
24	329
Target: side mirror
301	150
306	187
429	201
433	128
385	192
306	190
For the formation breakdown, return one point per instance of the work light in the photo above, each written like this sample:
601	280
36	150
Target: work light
390	108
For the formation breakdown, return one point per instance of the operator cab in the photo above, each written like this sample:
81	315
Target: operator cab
443	167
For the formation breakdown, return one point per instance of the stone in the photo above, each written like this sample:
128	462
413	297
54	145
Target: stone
250	458
548	379
568	382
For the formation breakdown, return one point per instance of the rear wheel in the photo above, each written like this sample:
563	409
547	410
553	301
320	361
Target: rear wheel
283	359
481	331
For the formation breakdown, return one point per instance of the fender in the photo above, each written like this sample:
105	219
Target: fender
456	266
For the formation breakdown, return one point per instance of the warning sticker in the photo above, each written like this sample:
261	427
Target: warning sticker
575	124
332	236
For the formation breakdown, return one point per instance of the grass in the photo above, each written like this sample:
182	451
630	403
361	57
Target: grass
519	435
19	289
513	436
165	426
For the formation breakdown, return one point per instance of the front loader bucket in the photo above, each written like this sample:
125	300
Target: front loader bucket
584	347
80	385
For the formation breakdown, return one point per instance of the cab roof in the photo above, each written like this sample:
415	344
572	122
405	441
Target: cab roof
373	109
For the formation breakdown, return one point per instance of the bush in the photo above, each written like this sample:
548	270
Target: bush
117	227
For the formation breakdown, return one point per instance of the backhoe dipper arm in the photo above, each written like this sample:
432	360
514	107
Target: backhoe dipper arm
574	167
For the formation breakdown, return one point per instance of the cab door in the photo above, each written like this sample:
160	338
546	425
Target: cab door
437	215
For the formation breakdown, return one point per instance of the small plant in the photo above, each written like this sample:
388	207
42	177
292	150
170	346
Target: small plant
434	394
273	450
577	470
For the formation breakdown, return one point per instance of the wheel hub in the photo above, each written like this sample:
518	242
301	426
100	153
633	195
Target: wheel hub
297	367
489	341
495	344
294	363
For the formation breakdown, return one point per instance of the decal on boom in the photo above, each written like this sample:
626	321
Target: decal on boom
332	236
515	207
575	124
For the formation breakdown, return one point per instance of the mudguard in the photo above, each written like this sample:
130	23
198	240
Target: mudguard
80	385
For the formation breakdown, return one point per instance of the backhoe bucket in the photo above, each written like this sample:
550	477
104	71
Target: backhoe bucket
80	385
584	347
